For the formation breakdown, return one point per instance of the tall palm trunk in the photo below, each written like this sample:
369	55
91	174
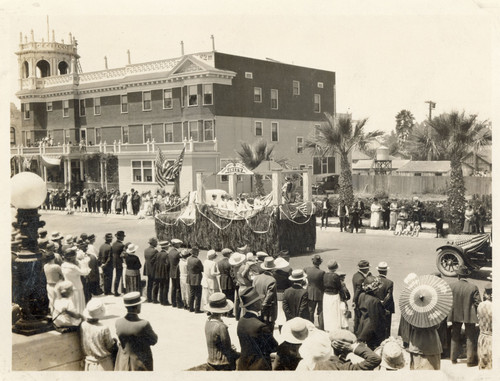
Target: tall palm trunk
345	180
456	197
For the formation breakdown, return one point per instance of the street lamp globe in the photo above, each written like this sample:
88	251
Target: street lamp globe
28	190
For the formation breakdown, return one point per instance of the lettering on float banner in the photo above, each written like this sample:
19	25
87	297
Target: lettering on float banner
235	168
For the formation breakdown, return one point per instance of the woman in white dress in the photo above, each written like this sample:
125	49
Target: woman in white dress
376	216
72	272
129	203
65	314
112	210
393	216
332	313
209	282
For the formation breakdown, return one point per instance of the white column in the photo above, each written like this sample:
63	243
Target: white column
276	181
232	185
307	184
45	173
200	189
81	170
65	171
102	173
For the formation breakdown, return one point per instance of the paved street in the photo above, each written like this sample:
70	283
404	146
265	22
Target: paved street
181	334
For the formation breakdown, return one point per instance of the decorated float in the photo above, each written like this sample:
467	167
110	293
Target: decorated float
213	219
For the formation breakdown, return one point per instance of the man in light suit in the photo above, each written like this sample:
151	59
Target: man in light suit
357	285
466	298
315	289
150	255
256	337
385	294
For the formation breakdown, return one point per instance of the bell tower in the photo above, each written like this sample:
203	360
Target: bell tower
42	60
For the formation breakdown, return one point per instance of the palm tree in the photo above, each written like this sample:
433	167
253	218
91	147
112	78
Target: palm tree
339	136
252	155
452	136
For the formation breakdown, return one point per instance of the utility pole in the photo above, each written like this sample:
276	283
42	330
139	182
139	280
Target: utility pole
432	106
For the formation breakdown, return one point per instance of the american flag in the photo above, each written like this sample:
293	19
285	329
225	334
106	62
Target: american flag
165	171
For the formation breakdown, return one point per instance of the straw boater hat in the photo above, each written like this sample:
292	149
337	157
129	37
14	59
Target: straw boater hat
211	254
270	264
68	239
236	259
383	266
133	299
56	236
218	304
131	249
176	241
296	330
95	309
297	275
249	297
164	243
392	356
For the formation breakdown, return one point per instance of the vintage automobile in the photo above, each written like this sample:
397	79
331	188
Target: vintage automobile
472	251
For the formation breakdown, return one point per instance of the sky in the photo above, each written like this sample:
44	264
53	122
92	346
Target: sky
386	56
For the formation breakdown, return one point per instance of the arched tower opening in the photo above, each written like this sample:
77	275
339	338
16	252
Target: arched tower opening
26	69
42	69
63	68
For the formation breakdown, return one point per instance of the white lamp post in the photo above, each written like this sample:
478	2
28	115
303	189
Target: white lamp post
28	191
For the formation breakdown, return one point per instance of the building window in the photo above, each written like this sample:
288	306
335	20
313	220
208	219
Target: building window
169	132
142	171
274	131
208	130
257	95
49	106
320	85
324	165
146	100
296	88
65	108
300	144
83	110
258	129
148	133
248	75
317	103
67	137
12	136
26	108
97	106
193	130
193	95
274	99
207	94
98	136
124	104
125	134
27	138
167	99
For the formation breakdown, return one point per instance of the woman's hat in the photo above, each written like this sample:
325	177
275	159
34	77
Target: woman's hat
371	283
249	297
211	254
392	356
217	303
70	252
133	299
296	330
317	346
69	239
270	264
91	236
297	275
131	249
95	309
236	259
185	253
281	263
332	265
55	236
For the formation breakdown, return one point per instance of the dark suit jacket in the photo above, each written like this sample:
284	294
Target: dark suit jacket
226	274
162	267
117	249
281	276
371	328
257	343
194	271
265	285
150	255
105	256
357	282
384	293
295	302
174	258
136	337
465	301
315	286
94	269
370	361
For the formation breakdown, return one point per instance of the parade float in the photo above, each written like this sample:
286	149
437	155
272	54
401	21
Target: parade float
271	223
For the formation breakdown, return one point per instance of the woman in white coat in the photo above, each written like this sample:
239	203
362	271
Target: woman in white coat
72	272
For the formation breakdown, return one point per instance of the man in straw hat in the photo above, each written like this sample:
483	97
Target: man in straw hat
265	285
97	342
357	286
344	342
295	300
466	299
385	295
136	337
221	354
315	289
293	333
106	261
256	338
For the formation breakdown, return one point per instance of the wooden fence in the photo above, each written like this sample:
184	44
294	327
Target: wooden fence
417	184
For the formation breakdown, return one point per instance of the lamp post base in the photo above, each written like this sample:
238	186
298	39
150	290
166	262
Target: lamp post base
32	327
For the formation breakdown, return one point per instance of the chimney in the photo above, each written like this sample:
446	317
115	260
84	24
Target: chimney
53	36
128	55
106	62
182	48
213	42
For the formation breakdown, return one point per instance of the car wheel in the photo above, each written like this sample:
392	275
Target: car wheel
448	261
